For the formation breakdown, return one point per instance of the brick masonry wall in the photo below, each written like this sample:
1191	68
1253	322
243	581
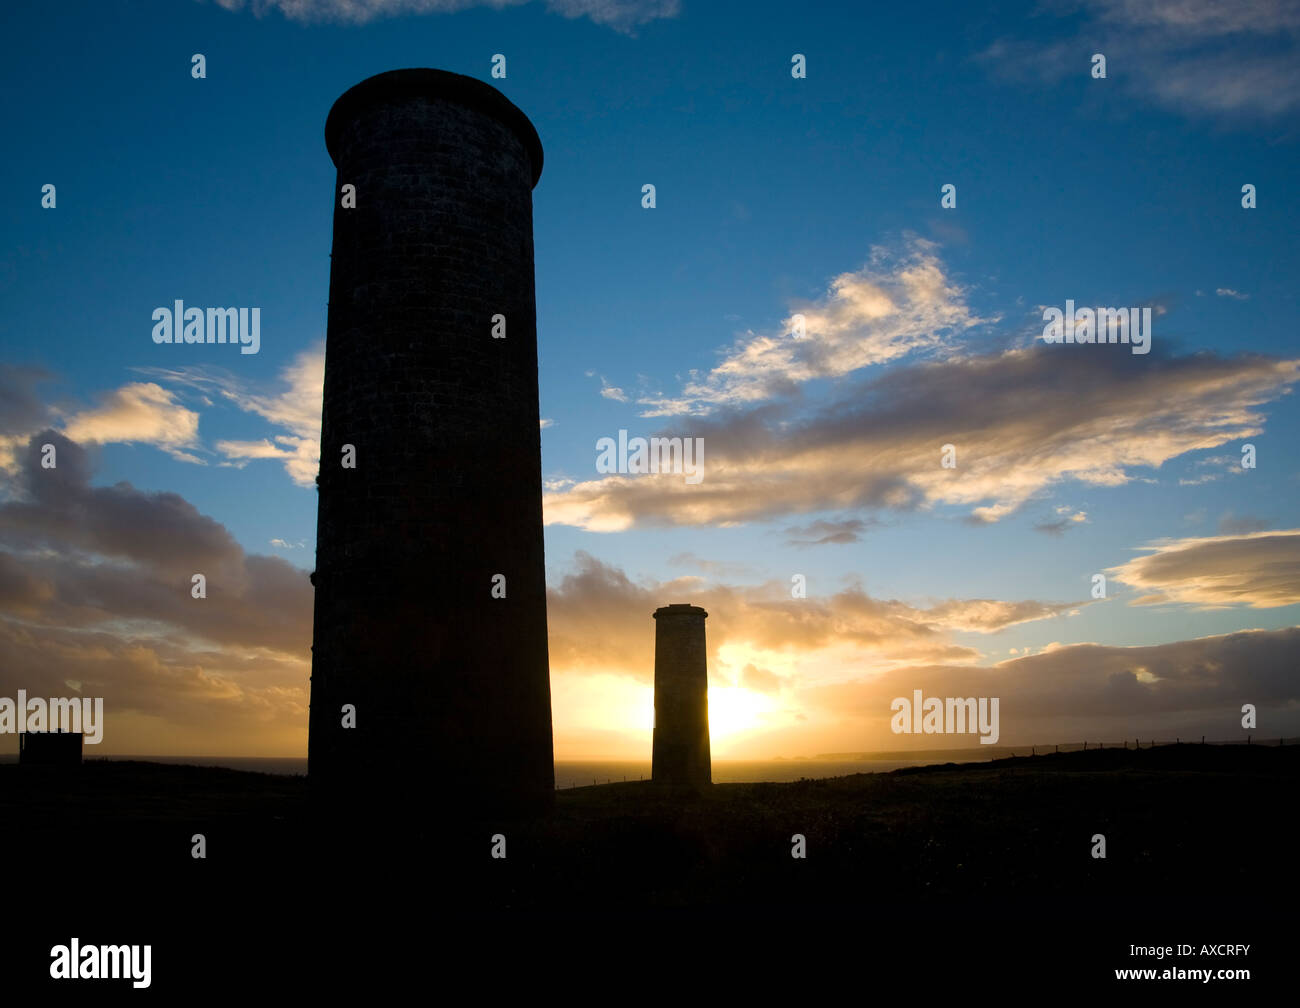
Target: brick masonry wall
681	733
450	684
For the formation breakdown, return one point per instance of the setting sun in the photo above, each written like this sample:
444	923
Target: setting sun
734	710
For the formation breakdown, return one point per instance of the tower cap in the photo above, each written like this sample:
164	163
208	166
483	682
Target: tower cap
679	609
425	82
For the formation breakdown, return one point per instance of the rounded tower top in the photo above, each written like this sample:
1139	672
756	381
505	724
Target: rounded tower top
680	609
424	82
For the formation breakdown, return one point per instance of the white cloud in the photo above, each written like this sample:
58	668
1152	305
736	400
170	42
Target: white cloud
899	302
139	413
607	390
296	409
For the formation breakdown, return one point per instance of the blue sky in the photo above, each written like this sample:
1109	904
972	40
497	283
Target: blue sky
1120	191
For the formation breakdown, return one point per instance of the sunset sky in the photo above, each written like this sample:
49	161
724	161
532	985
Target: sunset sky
775	196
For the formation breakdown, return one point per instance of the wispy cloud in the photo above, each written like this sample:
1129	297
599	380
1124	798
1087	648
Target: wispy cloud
295	409
1063	523
1215	468
607	390
621	15
901	301
1021	421
822	533
1197	56
714	568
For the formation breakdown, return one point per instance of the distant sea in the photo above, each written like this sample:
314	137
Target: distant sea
257	764
585	773
579	773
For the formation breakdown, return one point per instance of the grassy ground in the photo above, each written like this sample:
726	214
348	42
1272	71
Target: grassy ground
1185	827
981	874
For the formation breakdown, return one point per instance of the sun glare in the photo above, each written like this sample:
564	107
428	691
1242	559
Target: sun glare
734	710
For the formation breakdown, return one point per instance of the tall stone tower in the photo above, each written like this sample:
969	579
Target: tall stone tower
430	619
681	736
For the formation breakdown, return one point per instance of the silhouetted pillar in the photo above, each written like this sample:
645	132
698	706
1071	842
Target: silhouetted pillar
681	733
52	748
430	612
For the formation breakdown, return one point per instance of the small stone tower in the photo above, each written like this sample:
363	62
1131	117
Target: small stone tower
430	613
681	735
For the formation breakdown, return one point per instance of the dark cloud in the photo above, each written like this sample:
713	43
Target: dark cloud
1256	569
1068	519
1188	687
821	533
95	588
1020	421
21	410
58	507
601	621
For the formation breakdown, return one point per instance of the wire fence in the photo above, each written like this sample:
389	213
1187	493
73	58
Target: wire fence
1002	752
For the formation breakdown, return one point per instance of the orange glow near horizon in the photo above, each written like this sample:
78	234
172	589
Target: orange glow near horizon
609	716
